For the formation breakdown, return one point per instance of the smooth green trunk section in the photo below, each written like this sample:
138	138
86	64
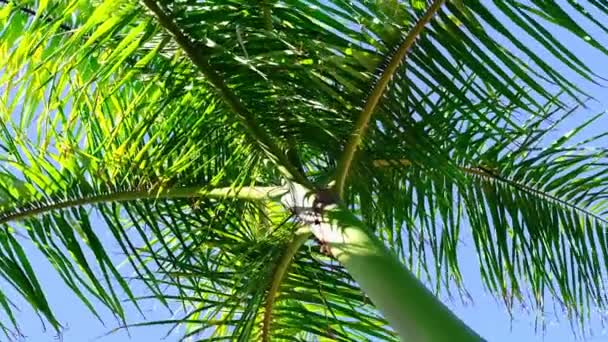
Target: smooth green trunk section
410	308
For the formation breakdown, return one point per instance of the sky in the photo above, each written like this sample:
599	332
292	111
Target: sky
485	315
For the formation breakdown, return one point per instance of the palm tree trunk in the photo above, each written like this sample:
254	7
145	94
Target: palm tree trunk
410	308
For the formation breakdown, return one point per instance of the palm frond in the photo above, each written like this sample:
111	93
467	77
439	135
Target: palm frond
536	212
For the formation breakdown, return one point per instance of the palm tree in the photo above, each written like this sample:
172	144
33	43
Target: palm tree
285	169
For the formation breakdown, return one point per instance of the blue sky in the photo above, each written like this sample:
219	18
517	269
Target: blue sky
486	315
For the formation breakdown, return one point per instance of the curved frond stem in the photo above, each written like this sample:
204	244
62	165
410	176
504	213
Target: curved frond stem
490	175
373	99
493	176
198	54
279	273
245	193
382	163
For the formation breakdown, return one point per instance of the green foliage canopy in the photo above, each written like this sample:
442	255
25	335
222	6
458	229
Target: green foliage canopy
161	117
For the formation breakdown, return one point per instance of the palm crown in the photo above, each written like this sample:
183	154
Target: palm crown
185	124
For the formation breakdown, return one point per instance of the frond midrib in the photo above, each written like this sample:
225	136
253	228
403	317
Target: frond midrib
278	275
478	172
37	207
198	55
379	88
